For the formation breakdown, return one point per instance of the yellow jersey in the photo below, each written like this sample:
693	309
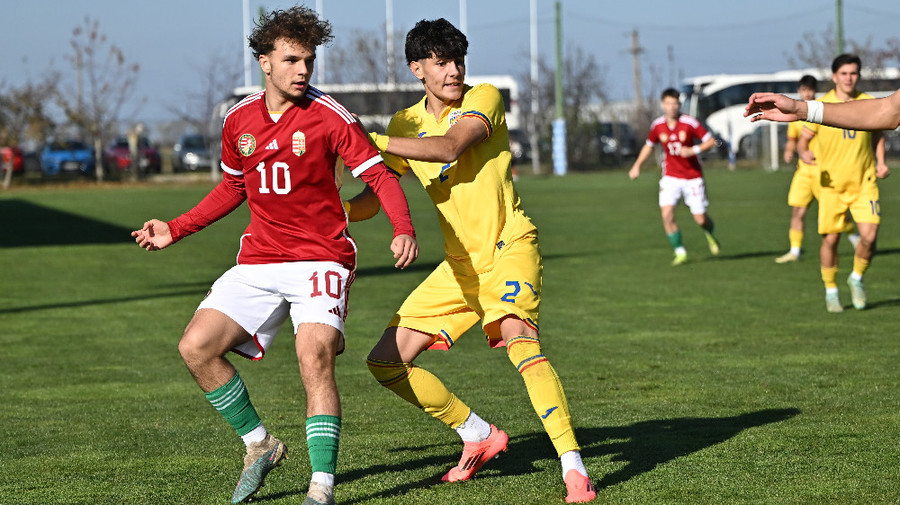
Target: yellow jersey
478	209
845	157
793	132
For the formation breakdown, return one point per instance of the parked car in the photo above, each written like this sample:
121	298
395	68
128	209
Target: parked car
191	153
117	157
67	156
617	139
14	155
519	146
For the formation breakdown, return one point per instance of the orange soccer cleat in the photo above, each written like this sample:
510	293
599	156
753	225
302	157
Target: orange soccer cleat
579	487
476	454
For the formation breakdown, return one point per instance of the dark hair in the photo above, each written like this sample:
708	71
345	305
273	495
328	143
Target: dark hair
808	81
300	25
845	59
436	36
670	92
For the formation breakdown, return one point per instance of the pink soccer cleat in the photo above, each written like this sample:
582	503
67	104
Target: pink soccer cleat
579	487
476	454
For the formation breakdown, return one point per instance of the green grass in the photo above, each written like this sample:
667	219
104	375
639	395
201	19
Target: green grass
722	381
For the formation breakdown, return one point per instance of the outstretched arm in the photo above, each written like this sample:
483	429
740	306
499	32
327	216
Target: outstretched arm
465	133
875	114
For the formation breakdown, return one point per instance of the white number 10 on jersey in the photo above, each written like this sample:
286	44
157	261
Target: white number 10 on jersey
281	178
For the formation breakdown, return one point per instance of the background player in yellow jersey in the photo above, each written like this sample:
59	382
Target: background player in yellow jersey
805	183
455	140
847	171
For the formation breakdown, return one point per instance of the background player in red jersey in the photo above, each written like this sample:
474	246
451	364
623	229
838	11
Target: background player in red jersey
682	176
279	148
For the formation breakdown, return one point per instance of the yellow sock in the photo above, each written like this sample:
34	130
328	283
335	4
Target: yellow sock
545	390
828	276
796	238
422	389
860	265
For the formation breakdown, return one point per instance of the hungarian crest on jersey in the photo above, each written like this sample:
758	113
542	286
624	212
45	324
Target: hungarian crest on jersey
246	144
298	143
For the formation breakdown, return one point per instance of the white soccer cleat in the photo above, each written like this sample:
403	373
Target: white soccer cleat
787	257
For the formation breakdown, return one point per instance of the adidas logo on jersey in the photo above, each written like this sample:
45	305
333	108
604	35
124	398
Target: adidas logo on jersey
336	311
272	145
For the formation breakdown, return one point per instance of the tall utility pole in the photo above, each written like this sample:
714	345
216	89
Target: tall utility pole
636	51
320	74
840	26
464	24
248	56
560	164
535	102
389	29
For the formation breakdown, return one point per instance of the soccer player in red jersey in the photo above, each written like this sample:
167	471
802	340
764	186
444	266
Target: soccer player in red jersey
682	175
279	148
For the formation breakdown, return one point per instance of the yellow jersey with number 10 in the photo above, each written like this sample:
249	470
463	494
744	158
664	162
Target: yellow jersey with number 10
478	209
844	157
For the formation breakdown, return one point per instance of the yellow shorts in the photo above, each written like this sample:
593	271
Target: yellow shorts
447	303
833	206
804	186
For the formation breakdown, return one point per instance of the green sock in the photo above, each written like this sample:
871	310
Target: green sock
675	239
323	434
233	401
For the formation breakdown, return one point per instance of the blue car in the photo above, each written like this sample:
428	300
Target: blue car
67	157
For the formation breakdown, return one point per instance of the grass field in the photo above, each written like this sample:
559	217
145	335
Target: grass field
720	382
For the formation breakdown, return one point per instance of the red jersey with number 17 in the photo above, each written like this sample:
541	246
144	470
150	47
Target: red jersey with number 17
687	132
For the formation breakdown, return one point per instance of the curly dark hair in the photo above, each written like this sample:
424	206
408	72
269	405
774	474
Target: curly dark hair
298	24
436	36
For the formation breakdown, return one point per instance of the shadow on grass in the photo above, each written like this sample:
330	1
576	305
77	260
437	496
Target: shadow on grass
748	255
199	292
641	446
26	225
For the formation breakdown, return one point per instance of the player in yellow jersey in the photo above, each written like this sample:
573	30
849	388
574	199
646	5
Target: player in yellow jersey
847	171
455	140
805	183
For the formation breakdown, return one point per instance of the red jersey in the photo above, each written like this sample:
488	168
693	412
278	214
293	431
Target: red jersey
686	131
285	170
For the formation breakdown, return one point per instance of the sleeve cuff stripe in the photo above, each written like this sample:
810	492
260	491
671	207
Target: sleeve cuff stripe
365	165
226	168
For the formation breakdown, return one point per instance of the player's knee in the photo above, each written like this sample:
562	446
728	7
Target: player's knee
388	373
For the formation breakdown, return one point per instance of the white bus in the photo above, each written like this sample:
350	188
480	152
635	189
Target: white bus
376	103
719	100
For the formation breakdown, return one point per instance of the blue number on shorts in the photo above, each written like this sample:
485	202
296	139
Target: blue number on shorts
511	296
876	207
850	134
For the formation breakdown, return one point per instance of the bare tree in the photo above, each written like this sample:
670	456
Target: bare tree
104	84
583	84
818	50
23	113
215	82
361	58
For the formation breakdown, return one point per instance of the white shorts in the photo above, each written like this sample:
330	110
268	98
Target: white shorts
672	189
260	297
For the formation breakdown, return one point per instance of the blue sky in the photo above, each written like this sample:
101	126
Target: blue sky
172	39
